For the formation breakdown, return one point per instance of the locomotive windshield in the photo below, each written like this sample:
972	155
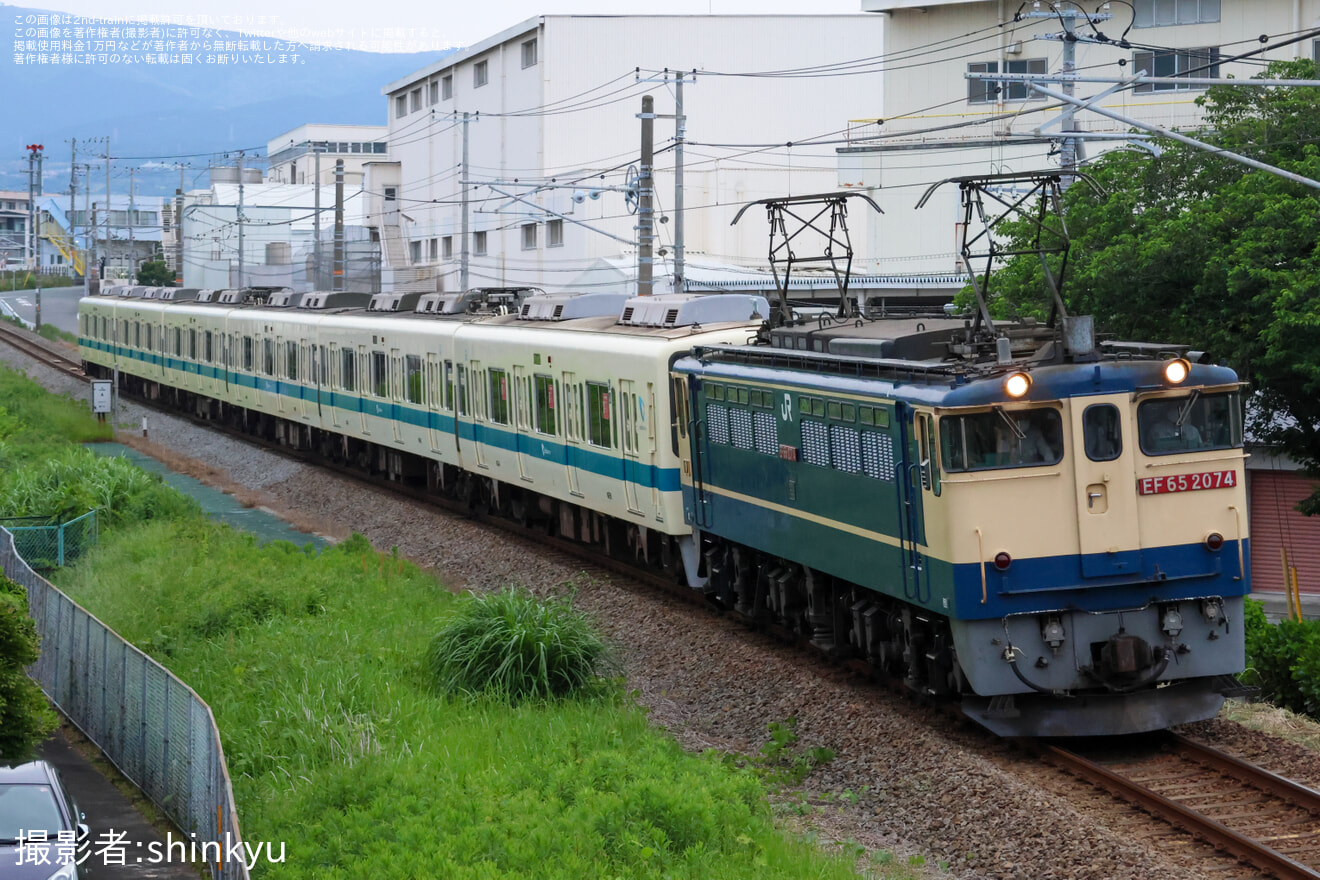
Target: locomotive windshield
1195	422
1001	439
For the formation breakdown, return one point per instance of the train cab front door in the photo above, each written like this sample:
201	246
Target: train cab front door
1104	457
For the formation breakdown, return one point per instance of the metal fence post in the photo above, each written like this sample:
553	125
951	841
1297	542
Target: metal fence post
59	543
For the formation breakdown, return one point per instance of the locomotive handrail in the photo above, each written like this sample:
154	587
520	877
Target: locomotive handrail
1237	520
980	555
1167	462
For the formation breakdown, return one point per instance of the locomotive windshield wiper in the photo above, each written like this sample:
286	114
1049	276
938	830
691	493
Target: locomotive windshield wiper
1012	425
1186	409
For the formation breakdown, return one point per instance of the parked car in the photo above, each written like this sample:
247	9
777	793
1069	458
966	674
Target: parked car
33	798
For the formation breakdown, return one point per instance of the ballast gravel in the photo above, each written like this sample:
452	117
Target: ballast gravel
904	779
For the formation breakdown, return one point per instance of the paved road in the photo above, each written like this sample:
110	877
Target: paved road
108	810
59	306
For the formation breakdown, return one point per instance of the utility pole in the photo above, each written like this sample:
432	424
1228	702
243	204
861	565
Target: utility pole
1067	14
132	222
316	217
339	226
645	184
680	132
107	206
464	252
73	193
89	231
34	191
178	230
240	220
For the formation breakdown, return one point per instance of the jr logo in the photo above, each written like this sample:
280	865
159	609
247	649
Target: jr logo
786	410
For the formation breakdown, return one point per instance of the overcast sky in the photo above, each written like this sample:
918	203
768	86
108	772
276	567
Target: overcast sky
432	24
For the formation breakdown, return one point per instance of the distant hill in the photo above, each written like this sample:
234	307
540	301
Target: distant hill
155	110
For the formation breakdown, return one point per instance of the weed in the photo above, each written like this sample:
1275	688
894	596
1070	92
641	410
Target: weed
779	762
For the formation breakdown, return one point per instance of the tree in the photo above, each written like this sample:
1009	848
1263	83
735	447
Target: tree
155	273
25	719
1192	247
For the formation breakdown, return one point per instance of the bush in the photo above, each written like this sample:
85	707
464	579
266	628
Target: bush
514	646
1284	660
74	480
25	719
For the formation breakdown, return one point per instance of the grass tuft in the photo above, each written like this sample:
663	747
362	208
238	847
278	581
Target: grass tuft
514	646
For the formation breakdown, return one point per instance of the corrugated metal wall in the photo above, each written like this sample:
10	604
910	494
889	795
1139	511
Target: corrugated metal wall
1275	524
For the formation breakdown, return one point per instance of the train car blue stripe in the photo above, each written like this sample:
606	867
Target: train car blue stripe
613	464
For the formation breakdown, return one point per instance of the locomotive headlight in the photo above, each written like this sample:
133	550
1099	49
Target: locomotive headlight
1176	370
1017	384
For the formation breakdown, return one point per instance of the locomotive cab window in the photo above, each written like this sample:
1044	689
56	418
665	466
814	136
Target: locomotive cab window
1192	423
1102	432
1001	439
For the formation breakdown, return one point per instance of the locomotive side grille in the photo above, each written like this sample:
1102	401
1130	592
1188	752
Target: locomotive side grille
878	455
815	443
845	449
717	423
740	426
767	437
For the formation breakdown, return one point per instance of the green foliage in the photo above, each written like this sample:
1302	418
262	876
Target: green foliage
73	480
515	646
28	281
1283	660
1191	247
38	419
780	761
339	745
55	334
25	719
155	273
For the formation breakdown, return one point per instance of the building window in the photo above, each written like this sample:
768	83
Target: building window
479	244
554	233
400	106
1158	13
431	250
378	147
414	105
1315	51
529	53
415	251
433	93
1192	62
447	247
985	91
480	74
529	236
447	86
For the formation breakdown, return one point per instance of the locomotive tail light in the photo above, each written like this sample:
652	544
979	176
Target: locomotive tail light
1017	384
1176	371
1214	541
1003	561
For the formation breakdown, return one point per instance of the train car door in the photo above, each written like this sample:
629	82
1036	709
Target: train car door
396	393
918	475
572	432
522	420
628	424
1108	525
364	386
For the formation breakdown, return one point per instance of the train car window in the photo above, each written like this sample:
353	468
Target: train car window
380	374
499	396
206	346
462	391
1102	432
834	409
412	386
105	334
804	405
545	405
268	356
248	355
714	392
744	395
449	385
600	423
192	344
325	366
930	464
149	346
849	412
178	342
137	334
1001	439
1190	423
291	360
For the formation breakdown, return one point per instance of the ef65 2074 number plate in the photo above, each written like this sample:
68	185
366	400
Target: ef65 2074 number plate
1187	482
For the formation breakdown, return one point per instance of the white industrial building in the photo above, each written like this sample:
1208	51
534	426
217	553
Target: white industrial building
292	156
553	130
930	45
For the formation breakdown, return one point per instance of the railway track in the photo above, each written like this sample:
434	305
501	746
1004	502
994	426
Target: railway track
1256	816
33	346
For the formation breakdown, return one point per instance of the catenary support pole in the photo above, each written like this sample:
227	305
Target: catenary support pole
645	185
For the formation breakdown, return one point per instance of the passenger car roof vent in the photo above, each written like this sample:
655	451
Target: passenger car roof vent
208	295
177	294
333	299
394	302
284	299
686	309
567	306
233	297
131	291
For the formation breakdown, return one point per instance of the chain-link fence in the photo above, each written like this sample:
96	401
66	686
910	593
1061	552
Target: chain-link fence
151	725
45	545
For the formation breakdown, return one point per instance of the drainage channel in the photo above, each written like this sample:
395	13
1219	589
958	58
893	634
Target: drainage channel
217	505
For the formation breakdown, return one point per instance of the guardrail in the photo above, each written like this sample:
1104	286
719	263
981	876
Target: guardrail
151	725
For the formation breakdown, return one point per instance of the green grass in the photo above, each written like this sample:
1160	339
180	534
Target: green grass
35	420
512	646
29	281
340	745
55	334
